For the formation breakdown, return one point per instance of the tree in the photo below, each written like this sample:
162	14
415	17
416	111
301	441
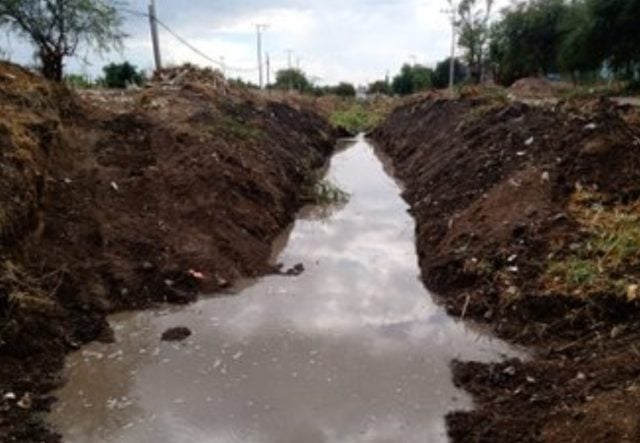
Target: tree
526	41
289	79
58	27
613	33
122	75
344	90
379	87
473	27
441	73
579	52
412	79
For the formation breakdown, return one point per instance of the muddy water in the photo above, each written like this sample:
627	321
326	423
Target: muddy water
352	350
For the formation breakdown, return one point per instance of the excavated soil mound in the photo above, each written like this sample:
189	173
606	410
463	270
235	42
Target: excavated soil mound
141	197
520	213
533	87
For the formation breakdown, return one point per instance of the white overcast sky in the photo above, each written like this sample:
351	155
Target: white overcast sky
335	40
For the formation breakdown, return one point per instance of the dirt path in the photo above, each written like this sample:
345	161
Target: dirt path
127	200
526	221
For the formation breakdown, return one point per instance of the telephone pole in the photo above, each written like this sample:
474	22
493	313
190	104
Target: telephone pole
260	28
268	71
289	54
154	34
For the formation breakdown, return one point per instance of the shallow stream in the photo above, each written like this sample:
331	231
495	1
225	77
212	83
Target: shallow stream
352	350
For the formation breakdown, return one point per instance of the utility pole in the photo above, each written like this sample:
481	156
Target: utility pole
289	54
268	72
260	28
154	34
223	66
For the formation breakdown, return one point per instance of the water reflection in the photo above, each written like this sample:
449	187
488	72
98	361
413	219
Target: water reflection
352	350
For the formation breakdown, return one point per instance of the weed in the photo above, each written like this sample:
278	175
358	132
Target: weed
601	262
359	117
324	193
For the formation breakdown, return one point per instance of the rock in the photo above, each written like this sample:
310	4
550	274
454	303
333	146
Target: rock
25	402
632	293
176	334
511	371
597	146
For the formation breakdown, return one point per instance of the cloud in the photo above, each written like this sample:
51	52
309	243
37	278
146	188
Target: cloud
333	40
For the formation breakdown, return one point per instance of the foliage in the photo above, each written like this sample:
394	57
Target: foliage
78	81
379	87
292	79
579	37
357	118
473	28
344	90
58	27
441	73
243	83
412	79
324	193
121	75
526	41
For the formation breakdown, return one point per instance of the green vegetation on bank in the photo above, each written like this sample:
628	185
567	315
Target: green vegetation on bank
357	117
605	262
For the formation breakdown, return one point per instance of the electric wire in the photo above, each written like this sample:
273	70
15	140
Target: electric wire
186	43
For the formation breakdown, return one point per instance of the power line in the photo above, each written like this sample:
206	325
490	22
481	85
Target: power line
186	43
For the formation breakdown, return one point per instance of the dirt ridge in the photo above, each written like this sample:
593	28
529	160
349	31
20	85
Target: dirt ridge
119	200
506	196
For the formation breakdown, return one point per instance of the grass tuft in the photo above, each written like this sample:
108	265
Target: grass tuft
324	193
607	257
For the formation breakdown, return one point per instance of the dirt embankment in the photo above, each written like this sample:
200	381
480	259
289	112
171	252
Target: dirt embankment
120	200
528	220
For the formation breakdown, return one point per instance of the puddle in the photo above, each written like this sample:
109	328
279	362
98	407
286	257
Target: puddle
352	350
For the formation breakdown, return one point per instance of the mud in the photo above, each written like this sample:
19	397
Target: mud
498	191
114	201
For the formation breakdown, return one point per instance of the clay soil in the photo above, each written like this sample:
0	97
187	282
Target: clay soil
121	200
522	214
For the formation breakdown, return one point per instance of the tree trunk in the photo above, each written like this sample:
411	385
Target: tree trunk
51	65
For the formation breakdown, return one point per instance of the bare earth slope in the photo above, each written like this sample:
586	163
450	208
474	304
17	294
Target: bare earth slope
118	201
528	220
